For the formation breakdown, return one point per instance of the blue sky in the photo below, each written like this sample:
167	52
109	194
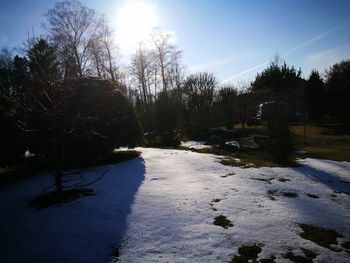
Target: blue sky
227	37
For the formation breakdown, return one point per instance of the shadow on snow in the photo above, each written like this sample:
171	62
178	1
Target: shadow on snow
84	230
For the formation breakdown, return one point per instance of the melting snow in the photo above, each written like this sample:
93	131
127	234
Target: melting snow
160	208
195	145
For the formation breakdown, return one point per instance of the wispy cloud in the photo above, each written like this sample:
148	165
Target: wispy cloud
328	56
290	51
222	61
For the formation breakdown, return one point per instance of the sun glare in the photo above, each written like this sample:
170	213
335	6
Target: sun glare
135	22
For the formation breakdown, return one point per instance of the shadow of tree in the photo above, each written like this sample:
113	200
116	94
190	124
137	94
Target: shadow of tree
85	229
331	180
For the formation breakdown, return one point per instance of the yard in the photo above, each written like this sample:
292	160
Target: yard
183	206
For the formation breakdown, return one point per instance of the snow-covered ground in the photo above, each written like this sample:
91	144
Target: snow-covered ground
161	208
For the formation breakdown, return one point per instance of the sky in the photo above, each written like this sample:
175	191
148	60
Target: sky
234	39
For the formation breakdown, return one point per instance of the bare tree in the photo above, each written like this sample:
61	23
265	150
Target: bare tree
199	95
102	49
72	27
176	75
166	54
140	69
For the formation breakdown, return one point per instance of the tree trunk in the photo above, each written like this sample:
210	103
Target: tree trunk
305	122
58	182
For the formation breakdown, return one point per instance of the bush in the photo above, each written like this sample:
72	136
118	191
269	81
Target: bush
166	113
100	118
280	140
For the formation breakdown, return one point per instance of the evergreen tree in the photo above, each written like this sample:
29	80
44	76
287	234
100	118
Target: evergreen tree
314	97
338	90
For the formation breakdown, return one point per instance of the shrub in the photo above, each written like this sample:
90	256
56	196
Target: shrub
280	141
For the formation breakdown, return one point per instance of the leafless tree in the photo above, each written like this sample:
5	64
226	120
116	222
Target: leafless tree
166	55
140	69
72	26
102	51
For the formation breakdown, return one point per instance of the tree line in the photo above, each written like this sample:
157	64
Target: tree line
39	86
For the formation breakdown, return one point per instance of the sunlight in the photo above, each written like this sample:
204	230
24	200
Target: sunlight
135	22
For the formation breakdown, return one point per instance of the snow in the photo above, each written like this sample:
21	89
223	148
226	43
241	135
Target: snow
195	145
159	208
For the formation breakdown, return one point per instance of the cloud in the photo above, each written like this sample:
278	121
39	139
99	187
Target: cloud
314	39
221	61
290	51
329	56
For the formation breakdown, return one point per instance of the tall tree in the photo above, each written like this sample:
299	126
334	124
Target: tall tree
102	51
314	97
276	82
224	106
198	93
338	89
166	54
72	27
140	69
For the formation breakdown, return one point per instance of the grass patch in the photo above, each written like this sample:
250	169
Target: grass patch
246	158
16	173
321	236
328	142
222	221
54	198
331	142
308	253
313	196
247	253
271	259
290	194
346	244
297	258
119	156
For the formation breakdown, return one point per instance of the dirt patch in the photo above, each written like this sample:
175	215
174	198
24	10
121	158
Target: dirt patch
283	180
346	244
271	194
290	194
313	196
265	180
227	175
54	198
271	259
216	200
297	258
308	253
213	208
222	221
321	236
247	253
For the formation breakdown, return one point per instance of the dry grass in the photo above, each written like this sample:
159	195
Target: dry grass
332	142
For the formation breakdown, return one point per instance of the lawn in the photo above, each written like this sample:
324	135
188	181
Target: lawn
330	142
183	206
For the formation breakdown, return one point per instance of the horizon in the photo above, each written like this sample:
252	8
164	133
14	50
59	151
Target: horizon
238	40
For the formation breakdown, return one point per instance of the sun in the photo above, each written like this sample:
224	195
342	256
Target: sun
135	21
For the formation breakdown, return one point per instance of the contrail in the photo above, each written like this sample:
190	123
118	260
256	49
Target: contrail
304	44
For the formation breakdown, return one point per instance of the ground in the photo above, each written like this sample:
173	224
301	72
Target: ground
183	206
